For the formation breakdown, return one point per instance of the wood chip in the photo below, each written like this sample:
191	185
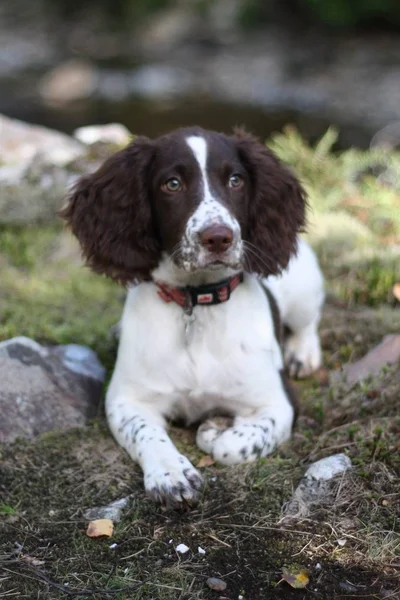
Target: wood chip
100	528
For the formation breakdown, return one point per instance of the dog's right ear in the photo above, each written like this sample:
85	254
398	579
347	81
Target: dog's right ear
109	211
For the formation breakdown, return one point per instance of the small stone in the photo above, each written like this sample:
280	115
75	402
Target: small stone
182	548
200	550
341	542
314	487
328	467
216	584
112	511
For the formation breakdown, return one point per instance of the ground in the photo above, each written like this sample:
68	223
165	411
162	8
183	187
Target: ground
349	544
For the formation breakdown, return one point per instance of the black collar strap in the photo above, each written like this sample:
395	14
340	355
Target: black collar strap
202	295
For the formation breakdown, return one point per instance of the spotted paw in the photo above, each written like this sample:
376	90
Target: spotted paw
173	482
209	431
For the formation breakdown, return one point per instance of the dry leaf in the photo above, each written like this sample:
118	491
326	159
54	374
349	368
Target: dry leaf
206	461
296	577
99	528
396	291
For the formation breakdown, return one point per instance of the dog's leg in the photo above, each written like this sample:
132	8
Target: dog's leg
169	477
253	436
302	350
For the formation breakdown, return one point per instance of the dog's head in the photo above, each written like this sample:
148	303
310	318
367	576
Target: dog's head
207	200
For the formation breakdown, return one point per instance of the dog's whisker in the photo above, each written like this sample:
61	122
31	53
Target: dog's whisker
257	252
257	257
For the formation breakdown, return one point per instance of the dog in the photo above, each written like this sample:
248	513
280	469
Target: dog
203	228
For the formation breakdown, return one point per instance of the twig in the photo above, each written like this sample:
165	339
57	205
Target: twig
41	576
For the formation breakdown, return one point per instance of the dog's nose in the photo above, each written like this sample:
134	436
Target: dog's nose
217	238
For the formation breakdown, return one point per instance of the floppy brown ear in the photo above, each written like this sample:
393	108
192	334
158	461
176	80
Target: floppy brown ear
110	213
276	211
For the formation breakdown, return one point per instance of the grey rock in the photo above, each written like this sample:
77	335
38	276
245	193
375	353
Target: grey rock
46	388
316	485
113	133
38	166
20	142
112	511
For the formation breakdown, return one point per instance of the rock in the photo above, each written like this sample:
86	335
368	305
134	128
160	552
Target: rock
21	142
315	486
70	81
386	353
46	388
113	133
216	584
38	165
33	173
328	467
112	511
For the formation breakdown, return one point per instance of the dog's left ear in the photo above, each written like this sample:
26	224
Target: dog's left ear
276	211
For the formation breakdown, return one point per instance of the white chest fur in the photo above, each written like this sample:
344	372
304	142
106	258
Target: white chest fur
222	360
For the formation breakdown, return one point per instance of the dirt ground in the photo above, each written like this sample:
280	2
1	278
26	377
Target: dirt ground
349	543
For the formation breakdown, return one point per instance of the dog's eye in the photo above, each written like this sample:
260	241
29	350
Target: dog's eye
172	185
235	180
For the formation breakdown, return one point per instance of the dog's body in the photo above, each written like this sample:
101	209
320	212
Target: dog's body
209	198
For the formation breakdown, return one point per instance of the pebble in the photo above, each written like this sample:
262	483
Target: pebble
216	584
182	548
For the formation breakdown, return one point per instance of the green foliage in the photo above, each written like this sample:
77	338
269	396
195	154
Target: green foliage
344	13
50	296
354	220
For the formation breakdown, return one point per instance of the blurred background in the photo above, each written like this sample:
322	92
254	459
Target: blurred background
157	64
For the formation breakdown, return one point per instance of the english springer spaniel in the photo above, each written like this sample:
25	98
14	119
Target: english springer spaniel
203	228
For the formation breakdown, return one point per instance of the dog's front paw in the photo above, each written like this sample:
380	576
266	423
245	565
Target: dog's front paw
303	354
173	482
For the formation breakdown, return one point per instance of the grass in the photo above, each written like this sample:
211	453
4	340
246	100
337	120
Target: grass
349	543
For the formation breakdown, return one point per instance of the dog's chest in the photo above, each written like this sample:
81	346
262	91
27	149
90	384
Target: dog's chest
208	361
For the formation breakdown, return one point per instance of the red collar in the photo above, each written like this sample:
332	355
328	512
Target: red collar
204	295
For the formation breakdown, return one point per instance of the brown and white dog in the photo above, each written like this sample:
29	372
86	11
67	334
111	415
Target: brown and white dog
203	228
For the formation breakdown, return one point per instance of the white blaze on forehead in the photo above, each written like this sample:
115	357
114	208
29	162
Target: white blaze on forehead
209	209
198	146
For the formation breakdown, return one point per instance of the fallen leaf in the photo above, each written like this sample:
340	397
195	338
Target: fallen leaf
206	461
99	528
297	578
